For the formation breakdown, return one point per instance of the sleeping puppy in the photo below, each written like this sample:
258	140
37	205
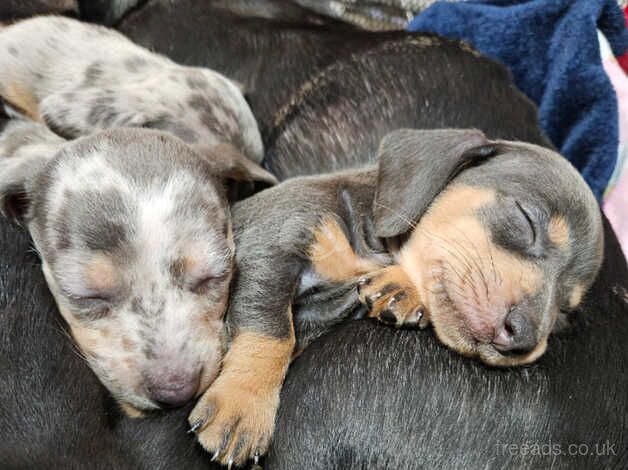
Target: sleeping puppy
370	397
491	241
134	232
80	78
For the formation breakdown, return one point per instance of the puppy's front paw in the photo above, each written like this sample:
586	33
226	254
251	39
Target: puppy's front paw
233	423
390	296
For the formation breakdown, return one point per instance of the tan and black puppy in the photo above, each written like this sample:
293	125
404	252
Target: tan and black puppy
491	241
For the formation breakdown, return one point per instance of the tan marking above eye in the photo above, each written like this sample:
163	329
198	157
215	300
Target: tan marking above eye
332	255
185	267
558	231
101	275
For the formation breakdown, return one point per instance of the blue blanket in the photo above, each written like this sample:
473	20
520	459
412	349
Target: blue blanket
552	49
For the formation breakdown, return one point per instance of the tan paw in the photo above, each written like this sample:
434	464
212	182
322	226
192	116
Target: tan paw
234	424
390	296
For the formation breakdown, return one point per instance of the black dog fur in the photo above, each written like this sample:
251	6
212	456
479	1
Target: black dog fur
364	396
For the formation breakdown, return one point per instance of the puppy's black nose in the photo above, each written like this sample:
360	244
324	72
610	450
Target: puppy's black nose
172	391
518	335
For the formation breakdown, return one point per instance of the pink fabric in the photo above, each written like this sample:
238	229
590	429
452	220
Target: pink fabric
616	196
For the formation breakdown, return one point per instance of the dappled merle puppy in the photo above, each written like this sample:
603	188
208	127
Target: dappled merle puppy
54	412
134	232
81	78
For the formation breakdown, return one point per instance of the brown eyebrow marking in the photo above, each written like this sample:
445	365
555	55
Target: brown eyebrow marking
558	231
101	274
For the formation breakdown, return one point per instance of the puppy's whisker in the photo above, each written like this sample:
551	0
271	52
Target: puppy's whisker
489	247
453	287
73	346
477	261
443	243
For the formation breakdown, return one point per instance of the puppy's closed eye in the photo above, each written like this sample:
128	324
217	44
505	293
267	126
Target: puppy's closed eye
92	306
203	284
517	226
527	224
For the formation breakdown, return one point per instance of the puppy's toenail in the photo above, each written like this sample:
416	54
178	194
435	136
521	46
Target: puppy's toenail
419	313
195	426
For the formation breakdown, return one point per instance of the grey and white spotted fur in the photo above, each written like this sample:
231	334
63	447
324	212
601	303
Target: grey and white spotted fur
134	232
81	78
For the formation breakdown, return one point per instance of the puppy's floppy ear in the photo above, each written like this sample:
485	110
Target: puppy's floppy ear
241	175
25	149
414	167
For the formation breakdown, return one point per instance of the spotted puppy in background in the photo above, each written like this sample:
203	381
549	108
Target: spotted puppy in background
491	241
134	232
79	78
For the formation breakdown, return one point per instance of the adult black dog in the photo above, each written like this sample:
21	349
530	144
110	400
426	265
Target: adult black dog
339	93
364	396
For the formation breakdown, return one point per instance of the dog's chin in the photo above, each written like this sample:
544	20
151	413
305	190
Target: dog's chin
489	355
452	330
131	411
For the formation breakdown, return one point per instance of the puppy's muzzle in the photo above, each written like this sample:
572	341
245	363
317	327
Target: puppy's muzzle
172	389
518	333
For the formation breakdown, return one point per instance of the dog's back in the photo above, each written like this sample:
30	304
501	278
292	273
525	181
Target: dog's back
80	78
337	118
325	96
